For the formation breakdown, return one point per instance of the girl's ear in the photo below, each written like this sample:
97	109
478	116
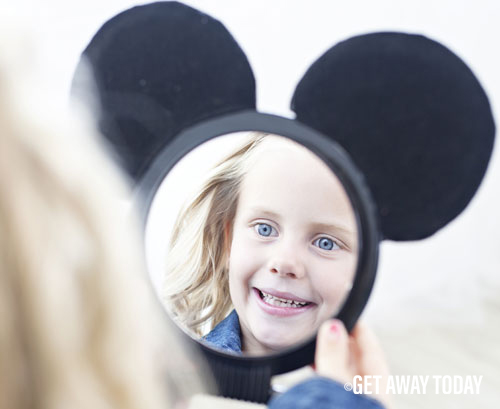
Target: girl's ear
227	240
414	119
160	68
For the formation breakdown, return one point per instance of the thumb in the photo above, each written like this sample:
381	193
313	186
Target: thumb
332	351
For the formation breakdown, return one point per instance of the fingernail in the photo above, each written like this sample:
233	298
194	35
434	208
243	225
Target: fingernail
334	330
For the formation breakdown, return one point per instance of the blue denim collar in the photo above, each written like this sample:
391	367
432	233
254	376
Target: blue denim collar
226	335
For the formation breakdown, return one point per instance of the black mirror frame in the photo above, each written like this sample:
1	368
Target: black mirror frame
245	377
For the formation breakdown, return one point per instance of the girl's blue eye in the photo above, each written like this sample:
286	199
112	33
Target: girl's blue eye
325	243
264	229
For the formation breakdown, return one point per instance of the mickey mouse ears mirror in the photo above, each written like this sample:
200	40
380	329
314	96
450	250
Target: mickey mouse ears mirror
257	224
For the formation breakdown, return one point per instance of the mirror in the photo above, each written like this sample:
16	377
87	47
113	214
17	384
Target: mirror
252	242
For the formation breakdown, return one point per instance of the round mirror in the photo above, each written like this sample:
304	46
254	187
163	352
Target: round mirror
252	243
254	238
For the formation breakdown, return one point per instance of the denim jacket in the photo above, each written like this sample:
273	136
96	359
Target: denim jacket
322	393
317	392
226	335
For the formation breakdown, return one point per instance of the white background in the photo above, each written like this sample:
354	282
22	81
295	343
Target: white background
436	303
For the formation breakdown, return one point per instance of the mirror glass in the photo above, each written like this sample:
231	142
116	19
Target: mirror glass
251	243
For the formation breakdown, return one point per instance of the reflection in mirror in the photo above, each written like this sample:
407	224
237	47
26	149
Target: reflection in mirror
252	243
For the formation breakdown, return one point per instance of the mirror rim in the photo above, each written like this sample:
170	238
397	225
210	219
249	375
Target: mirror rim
341	165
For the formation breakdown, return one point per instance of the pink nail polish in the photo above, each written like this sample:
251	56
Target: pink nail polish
334	330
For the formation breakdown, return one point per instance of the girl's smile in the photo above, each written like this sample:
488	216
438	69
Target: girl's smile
281	304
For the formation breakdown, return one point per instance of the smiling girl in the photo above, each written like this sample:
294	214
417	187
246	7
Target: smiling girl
271	240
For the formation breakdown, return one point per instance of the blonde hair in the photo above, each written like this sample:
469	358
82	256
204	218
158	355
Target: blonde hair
78	328
196	285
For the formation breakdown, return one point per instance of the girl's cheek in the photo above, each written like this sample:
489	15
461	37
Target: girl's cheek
254	263
243	258
332	278
247	243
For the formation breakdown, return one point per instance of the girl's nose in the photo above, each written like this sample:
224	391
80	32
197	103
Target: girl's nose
287	263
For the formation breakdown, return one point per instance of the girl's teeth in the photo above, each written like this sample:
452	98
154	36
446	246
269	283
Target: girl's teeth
280	302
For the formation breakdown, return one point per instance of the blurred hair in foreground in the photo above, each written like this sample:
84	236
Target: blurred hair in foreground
79	323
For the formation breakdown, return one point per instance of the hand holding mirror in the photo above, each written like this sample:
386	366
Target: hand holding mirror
160	102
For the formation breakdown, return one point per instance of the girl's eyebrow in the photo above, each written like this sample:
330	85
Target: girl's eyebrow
335	227
265	212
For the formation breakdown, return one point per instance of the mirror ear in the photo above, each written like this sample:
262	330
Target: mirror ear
414	119
158	69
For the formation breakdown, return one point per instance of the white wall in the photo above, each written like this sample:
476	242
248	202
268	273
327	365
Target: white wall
449	283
